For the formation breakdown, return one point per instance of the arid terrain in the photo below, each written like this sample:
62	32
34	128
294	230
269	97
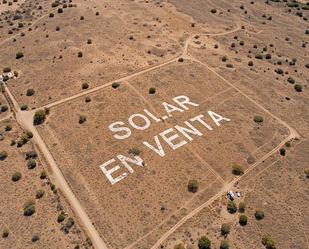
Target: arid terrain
142	124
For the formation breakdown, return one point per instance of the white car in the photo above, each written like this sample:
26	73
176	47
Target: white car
230	195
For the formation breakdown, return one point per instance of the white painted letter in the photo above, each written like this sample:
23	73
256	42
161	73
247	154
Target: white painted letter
199	118
183	101
217	118
159	150
115	129
108	173
185	130
170	108
124	160
170	139
145	126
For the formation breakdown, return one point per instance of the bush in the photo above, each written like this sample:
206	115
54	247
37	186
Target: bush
82	119
89	41
80	54
179	246
31	154
258	56
39	117
250	63
204	243
69	223
31	164
268	242
259	214
225	229
8	128
268	56
224	244
282	151
279	71
30	92
3	155
35	238
115	85
213	11
5	233
87	99
291	80
193	186
152	90
241	207
237	169
134	151
231	207
29	208
85	85
7	70
4	108
16	176
243	220
298	88
19	55
60	10
24	107
61	217
258	119
43	174
39	194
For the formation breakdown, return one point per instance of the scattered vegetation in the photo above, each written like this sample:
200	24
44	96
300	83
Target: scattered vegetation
39	194
16	176
152	90
298	88
268	242
5	233
19	55
241	207
224	244
225	229
231	207
29	208
259	214
30	92
85	85
115	85
39	117
243	220
204	243
3	155
193	186
258	119
237	169
82	119
179	246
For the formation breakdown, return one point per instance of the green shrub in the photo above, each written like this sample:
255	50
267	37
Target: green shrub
279	71
69	223
8	128
43	174
193	186
31	154
5	233
39	117
19	55
258	56
61	217
259	214
224	244
243	220
4	108
6	69
39	194
258	119
282	151
3	155
231	207
31	164
298	88
204	243
85	85
291	80
24	107
268	242
225	229
213	11
89	41
87	99
35	238
152	90
250	63
16	176
82	119
29	208
237	169
80	54
241	207
30	92
115	85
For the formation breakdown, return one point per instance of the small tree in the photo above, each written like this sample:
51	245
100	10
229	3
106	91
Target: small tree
19	55
193	186
258	119
39	117
298	88
29	208
16	176
282	151
31	163
30	92
80	54
152	90
179	246
225	229
115	85
43	175
61	217
243	220
259	214
85	85
3	155
224	244
82	119
5	233
241	207
268	242
204	243
39	194
231	207
237	169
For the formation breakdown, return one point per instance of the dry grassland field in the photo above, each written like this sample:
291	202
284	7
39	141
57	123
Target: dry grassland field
164	124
